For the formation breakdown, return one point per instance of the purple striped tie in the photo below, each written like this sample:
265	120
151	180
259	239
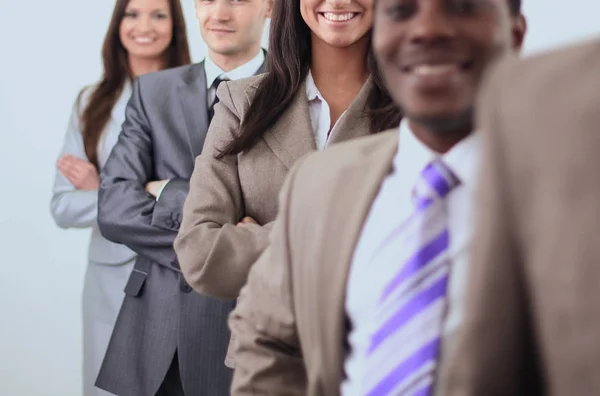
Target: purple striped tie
405	343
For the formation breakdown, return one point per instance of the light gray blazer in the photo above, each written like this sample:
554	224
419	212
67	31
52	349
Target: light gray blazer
72	208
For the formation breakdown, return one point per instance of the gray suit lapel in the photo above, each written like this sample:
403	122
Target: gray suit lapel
192	98
118	111
291	137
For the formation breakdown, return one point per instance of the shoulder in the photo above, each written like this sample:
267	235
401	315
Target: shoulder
543	75
83	98
168	76
159	86
240	93
320	168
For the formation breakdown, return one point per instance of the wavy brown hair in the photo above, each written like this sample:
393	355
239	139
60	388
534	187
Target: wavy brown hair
288	62
97	111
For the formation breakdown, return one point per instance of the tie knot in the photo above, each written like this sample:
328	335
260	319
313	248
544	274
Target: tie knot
218	81
436	182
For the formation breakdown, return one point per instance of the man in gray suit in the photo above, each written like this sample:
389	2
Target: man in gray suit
169	340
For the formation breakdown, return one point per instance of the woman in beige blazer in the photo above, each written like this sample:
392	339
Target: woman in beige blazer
93	130
321	88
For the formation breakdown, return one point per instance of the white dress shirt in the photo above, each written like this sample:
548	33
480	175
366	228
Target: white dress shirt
212	72
320	113
393	205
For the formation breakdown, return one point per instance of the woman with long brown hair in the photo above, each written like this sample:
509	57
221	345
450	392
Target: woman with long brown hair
322	87
143	36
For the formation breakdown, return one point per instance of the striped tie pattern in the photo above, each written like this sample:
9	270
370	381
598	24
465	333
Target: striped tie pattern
406	336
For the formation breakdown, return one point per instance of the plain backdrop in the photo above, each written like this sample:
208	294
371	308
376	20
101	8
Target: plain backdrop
50	49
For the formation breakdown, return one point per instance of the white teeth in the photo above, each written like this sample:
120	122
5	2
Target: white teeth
434	70
338	17
143	40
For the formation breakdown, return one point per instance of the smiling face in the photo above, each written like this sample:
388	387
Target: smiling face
146	29
232	27
339	23
433	53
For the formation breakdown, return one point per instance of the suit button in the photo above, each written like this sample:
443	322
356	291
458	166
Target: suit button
185	287
170	223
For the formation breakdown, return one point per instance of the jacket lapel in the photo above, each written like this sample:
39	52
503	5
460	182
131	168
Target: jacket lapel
361	183
355	122
289	146
291	137
118	111
192	99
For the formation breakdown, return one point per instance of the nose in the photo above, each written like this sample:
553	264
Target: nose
144	24
338	3
222	10
432	23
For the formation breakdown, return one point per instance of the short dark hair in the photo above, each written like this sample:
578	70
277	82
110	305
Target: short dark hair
515	7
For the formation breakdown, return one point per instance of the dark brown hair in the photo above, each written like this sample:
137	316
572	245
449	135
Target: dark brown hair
97	111
288	62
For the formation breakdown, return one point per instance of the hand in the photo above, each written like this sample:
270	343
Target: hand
247	220
81	173
154	187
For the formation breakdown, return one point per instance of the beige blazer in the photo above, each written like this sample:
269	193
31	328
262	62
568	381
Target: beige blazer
532	324
290	321
215	255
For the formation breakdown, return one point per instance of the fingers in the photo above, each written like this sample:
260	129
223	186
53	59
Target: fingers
248	220
75	169
79	166
70	173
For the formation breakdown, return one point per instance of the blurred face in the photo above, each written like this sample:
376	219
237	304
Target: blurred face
232	27
147	28
432	54
339	23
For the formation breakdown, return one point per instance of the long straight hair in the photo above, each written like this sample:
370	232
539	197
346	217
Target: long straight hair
96	113
288	63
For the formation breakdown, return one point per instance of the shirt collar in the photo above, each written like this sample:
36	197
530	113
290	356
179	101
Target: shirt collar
246	70
412	156
312	92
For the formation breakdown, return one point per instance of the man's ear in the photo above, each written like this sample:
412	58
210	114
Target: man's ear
269	8
519	30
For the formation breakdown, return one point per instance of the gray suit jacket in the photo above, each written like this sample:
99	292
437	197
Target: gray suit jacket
165	127
72	208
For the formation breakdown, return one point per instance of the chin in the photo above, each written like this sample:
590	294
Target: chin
149	54
224	49
444	122
340	41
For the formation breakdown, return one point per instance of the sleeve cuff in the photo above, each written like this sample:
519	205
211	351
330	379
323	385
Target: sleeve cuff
161	190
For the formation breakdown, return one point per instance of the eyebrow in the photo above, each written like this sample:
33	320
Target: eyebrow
163	9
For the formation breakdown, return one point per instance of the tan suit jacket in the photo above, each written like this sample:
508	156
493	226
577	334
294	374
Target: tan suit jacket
533	317
290	320
215	255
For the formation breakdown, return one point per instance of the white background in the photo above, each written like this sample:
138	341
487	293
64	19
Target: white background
49	50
